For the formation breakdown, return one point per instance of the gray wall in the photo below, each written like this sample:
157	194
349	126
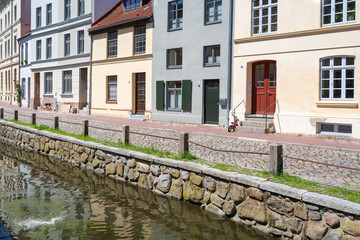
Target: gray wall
192	39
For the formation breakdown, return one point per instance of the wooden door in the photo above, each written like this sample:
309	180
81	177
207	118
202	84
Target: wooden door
140	93
37	91
264	87
211	100
29	92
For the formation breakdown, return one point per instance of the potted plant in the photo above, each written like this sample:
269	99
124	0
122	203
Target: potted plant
22	62
26	61
18	92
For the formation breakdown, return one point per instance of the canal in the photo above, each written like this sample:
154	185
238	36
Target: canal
42	199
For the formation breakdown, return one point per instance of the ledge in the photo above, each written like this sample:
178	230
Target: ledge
337	104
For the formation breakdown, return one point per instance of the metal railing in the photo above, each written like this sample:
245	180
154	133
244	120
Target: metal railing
265	115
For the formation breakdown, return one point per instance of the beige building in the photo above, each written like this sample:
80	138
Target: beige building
299	62
11	28
122	61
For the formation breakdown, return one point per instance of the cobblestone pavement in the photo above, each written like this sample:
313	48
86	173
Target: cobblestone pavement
330	151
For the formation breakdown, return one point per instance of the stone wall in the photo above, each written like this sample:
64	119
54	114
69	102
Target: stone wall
268	207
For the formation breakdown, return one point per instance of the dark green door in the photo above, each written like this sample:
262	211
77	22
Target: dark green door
211	111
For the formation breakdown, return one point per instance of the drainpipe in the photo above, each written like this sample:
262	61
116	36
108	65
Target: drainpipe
11	53
229	70
90	70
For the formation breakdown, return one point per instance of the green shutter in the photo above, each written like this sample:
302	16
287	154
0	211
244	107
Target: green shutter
160	95
186	95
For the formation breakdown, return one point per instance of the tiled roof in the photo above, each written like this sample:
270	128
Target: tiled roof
118	16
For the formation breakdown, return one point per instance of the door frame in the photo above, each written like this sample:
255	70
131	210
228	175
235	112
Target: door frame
37	88
135	110
253	82
204	101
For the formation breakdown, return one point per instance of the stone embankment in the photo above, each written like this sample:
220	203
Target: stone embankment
271	208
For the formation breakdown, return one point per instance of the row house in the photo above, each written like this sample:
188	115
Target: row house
122	61
11	26
297	62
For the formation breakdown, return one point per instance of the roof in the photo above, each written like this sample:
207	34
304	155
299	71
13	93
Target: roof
117	16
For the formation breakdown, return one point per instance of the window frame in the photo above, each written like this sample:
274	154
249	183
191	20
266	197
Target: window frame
331	68
38	50
67	10
48	83
108	84
207	15
48	48
140	38
38	17
130	5
67	82
67	43
333	13
15	44
49	14
115	40
179	21
81	42
81	8
15	13
213	50
176	66
261	8
176	89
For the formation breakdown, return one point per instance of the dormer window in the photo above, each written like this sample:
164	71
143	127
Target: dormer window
132	4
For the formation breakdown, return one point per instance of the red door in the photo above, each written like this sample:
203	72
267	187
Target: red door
140	93
264	87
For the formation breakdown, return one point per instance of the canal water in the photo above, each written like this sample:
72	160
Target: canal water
42	199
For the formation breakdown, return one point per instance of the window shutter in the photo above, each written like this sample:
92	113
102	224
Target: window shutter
160	95
186	95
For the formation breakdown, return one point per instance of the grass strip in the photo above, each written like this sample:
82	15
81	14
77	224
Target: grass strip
284	178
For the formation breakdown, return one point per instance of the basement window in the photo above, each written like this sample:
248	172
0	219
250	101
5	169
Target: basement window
333	128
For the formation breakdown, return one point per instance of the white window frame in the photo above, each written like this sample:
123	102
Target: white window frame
176	90
333	13
38	17
140	40
336	129
49	14
48	48
67	9
81	7
261	8
111	82
67	43
112	43
67	82
48	83
81	42
38	50
331	70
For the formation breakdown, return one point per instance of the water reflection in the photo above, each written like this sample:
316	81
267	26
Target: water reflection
41	199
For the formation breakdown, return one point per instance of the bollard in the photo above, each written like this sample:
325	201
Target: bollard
184	144
276	159
16	115
85	127
1	113
56	122
33	119
125	134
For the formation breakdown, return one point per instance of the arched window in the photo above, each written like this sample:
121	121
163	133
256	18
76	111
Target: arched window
337	78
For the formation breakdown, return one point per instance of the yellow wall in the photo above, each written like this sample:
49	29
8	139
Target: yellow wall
297	48
124	66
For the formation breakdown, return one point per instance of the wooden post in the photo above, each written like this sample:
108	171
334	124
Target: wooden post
276	159
85	127
56	122
33	119
125	134
1	113
16	115
184	144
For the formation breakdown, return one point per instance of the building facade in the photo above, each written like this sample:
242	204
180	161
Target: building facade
122	61
190	61
298	61
10	32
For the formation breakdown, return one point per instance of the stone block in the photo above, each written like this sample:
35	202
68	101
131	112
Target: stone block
142	167
282	189
222	189
280	205
176	189
253	210
133	175
216	200
131	163
237	193
314	215
276	220
315	230
295	225
210	184
214	210
332	220
120	168
229	208
174	173
247	180
255	193
84	158
195	179
163	183
351	227
100	154
300	211
193	193
110	169
144	181
155	170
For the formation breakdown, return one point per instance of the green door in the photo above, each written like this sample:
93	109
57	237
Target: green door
211	111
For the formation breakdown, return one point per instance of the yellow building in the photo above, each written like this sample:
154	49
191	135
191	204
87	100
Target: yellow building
298	61
122	61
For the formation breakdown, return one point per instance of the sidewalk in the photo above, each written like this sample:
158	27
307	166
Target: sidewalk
205	129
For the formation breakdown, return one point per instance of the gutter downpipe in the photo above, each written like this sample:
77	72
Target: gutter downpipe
229	70
90	70
11	54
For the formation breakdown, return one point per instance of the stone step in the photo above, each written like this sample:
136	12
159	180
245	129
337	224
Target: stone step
84	111
248	129
260	124
138	117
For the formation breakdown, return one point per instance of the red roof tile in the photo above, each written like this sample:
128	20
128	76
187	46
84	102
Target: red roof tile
117	15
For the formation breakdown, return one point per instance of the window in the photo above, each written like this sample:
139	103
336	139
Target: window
81	7
5	50
338	11
112	44
112	88
9	50
132	4
337	78
48	48
67	9
264	16
48	85
174	58
1	25
26	51
21	54
23	88
66	44
335	128
49	14
212	55
213	11
5	21
174	96
15	13
9	18
80	42
67	82
140	39
38	50
175	15
38	17
15	44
